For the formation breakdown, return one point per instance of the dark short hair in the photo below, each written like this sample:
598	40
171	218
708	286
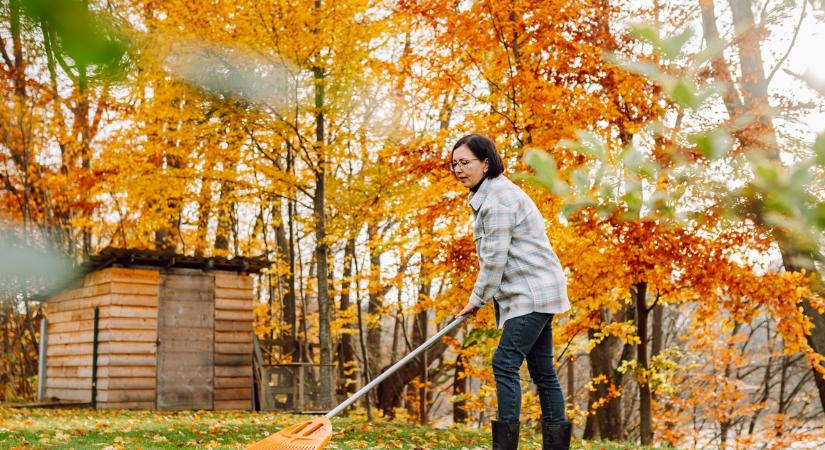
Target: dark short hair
483	148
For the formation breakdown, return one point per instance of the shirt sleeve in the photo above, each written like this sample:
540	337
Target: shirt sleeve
497	223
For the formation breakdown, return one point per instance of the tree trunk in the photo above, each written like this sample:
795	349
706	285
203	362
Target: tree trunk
460	390
374	327
760	134
421	323
321	246
725	423
225	206
398	328
290	299
82	117
5	374
645	428
721	70
289	344
571	379
367	373
591	425
817	341
347	353
609	415
657	335
766	380
204	213
420	334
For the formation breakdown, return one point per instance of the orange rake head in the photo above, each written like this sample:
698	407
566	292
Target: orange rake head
310	435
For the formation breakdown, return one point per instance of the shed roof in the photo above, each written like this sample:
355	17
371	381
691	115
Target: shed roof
123	257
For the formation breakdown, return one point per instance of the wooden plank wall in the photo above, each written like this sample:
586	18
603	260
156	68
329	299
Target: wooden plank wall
233	340
127	328
69	352
128	332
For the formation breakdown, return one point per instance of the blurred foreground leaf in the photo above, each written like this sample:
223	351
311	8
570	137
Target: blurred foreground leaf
88	39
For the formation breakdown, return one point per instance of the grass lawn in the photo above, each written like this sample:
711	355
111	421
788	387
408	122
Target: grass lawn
118	429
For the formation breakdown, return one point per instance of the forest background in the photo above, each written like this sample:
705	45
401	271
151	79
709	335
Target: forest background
671	147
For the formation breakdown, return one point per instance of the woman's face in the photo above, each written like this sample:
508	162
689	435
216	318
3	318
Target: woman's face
467	168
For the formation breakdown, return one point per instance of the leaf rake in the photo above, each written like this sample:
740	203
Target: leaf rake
316	433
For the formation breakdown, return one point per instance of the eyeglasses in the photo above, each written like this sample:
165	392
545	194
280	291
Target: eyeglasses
461	162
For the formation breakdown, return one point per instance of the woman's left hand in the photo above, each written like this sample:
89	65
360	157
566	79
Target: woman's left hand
469	309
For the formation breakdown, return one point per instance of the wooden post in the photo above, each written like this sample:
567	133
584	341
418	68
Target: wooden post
263	375
571	379
301	387
94	357
41	362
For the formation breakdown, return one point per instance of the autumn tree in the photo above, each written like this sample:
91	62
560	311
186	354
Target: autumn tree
748	95
56	77
691	159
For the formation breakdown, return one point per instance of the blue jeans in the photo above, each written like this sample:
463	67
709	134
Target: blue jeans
527	337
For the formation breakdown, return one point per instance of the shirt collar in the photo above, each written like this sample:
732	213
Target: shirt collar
478	197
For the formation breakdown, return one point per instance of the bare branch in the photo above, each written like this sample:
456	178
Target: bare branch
792	44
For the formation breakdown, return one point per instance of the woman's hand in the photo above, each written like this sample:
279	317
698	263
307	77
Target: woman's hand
469	309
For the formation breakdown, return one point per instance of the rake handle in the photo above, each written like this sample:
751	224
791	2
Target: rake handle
386	374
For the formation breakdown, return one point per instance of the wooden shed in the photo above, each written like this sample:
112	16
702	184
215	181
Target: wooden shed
153	330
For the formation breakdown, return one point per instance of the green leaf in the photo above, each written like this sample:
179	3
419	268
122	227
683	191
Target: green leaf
607	191
800	176
546	174
581	180
819	150
647	33
605	211
570	208
661	201
632	159
599	176
703	94
633	196
586	143
765	174
819	216
592	145
712	50
74	30
648	169
638	164
713	144
672	47
646	69
684	94
478	335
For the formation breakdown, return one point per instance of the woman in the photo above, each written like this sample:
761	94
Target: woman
522	275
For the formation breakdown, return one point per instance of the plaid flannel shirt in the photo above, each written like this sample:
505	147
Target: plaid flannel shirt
518	268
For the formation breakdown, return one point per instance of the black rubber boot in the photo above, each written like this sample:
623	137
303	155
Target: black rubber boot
556	435
505	435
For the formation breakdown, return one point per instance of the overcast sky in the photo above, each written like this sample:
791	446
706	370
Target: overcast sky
808	55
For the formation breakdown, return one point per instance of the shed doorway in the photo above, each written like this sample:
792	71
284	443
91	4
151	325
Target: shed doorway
186	323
